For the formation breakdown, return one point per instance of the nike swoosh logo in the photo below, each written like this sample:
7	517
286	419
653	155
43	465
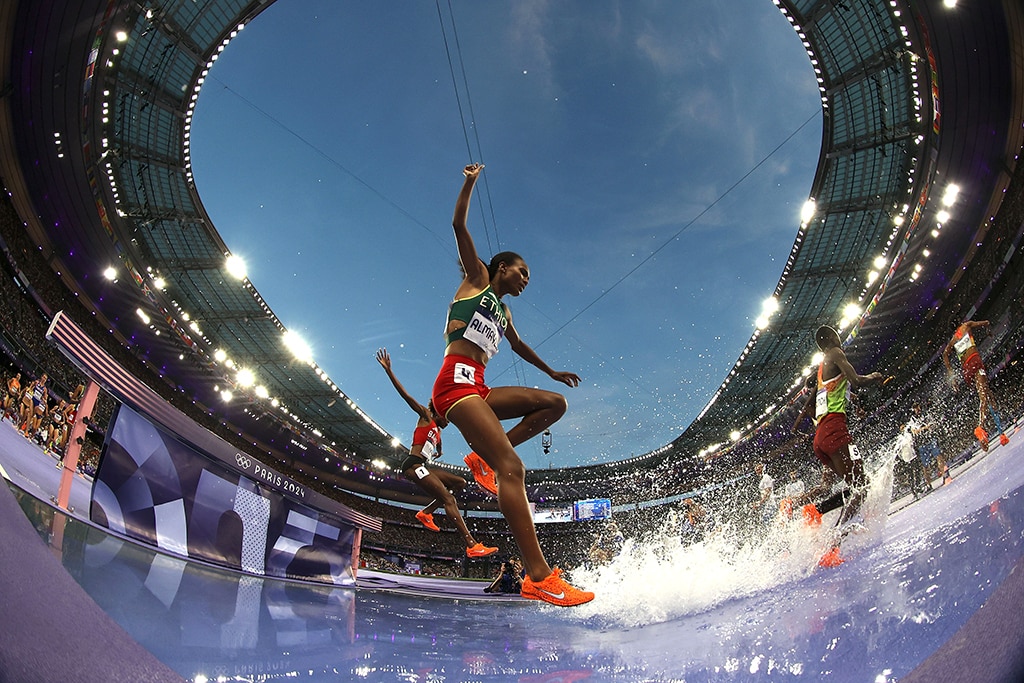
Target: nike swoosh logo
556	596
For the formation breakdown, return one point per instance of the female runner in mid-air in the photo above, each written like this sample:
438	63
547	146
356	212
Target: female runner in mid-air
477	322
426	445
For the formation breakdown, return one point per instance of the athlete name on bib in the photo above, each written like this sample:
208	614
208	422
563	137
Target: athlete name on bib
485	331
428	451
821	403
962	344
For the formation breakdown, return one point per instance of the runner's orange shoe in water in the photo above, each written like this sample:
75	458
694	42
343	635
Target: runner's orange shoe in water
1003	439
482	472
554	590
480	550
831	558
982	437
427	520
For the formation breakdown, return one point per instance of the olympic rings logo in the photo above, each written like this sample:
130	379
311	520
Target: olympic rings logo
243	461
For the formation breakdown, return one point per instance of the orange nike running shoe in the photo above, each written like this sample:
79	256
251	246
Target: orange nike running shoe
482	472
554	590
427	520
982	436
480	550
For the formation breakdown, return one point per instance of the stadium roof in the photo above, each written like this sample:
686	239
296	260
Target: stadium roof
95	123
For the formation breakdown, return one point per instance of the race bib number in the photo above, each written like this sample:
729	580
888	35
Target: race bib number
820	403
422	472
962	344
464	374
484	331
428	451
854	453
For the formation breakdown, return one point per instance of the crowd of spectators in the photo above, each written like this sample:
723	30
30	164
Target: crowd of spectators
992	287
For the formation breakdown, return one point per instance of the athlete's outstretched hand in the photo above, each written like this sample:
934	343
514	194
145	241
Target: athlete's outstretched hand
384	358
570	379
472	170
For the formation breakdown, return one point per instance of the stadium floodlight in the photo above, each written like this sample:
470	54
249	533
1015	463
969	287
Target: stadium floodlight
261	391
110	273
298	347
942	216
226	396
220	355
807	211
245	377
142	315
236	266
122	36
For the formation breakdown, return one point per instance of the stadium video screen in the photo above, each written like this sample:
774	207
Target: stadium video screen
595	508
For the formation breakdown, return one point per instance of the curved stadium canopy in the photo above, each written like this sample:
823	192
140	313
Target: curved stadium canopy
97	108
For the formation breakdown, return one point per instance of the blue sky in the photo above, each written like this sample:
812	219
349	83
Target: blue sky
623	144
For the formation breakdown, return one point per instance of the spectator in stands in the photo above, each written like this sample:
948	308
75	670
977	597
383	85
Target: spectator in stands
426	445
477	322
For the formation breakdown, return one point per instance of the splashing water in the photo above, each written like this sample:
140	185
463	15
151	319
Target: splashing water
659	577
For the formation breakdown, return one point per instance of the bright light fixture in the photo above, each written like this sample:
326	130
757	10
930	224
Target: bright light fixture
298	347
245	377
950	195
236	266
110	273
807	211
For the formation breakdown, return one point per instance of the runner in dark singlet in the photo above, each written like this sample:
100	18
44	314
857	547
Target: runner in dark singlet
477	321
426	446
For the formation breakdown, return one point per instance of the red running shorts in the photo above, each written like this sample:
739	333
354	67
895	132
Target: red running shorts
972	366
831	435
460	377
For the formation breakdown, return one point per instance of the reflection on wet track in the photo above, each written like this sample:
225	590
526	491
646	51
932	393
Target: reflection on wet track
895	601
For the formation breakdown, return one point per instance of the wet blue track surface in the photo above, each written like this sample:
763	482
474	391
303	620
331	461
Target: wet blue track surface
895	601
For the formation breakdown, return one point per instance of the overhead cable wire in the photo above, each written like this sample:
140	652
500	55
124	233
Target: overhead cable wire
676	235
476	131
444	241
